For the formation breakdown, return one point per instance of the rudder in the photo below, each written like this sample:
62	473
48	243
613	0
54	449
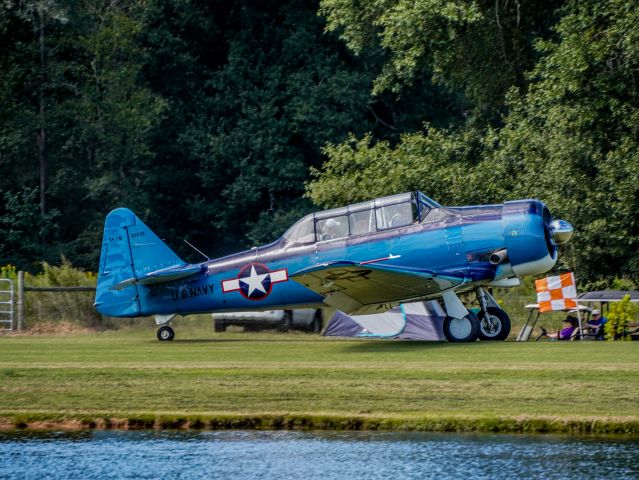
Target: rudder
129	251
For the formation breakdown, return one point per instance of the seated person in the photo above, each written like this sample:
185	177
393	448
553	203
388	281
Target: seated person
596	324
333	228
400	215
328	230
569	325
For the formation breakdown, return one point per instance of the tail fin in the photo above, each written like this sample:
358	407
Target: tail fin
130	251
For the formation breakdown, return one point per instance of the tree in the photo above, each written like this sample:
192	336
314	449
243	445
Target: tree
569	135
25	231
42	14
106	122
478	47
575	133
434	161
254	91
203	117
91	114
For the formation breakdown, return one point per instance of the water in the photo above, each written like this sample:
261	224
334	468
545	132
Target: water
314	455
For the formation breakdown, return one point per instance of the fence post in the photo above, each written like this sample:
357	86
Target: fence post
20	300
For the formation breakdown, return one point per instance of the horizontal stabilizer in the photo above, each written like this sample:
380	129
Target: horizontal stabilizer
165	275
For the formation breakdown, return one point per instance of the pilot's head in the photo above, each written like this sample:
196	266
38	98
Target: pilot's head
331	225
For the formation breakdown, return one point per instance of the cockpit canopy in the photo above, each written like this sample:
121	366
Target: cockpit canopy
361	218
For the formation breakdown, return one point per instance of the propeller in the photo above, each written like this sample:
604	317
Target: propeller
561	231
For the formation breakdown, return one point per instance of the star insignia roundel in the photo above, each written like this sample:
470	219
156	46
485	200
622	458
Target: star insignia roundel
254	281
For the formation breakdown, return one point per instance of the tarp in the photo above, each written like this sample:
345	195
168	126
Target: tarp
415	321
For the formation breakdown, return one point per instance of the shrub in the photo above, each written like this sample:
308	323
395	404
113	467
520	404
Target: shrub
620	315
56	307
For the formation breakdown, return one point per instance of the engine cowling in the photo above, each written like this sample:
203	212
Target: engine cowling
528	236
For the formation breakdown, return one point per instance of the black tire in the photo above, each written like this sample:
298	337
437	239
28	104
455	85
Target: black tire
165	334
457	330
219	326
316	326
494	327
285	323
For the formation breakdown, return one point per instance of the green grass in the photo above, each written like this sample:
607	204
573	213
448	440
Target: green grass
268	380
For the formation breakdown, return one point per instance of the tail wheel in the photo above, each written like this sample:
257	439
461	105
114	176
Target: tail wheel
495	325
286	322
165	334
461	329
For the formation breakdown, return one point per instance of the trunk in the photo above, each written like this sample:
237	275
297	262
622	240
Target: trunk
43	155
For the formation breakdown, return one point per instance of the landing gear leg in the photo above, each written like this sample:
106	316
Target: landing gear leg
494	323
460	325
165	333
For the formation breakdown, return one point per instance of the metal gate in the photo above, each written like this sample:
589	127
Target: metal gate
6	305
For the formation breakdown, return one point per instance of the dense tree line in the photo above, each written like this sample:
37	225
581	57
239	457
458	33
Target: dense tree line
201	116
208	118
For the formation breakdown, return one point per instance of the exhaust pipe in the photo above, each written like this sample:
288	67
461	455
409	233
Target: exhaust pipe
498	256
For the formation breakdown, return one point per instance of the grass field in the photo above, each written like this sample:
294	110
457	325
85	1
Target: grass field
127	378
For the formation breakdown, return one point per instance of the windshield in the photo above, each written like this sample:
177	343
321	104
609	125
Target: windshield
302	233
429	202
425	205
361	218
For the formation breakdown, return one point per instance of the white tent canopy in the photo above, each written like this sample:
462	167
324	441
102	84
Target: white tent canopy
417	321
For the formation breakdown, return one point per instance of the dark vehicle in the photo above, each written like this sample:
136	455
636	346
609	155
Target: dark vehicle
309	319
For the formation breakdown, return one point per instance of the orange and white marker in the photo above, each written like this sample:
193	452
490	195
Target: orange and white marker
556	293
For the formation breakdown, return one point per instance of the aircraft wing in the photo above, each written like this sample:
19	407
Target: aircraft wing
358	288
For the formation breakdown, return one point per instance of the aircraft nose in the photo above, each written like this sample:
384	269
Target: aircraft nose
561	231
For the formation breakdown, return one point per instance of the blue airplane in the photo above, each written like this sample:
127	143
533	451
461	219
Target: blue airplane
364	258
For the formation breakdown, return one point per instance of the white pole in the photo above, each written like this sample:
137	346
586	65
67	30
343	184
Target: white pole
20	300
581	332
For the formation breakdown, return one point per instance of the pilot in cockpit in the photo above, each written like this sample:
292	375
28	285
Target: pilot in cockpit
399	215
329	229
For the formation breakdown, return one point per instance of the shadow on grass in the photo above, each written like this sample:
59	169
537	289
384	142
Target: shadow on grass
349	344
241	340
371	346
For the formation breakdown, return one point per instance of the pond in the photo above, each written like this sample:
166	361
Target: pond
313	455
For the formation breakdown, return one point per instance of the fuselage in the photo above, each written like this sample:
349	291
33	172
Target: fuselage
456	241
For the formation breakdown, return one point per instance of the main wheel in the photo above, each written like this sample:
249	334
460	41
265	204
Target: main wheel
495	325
461	329
165	334
219	326
285	323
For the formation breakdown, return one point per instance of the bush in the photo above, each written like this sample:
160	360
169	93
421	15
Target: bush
75	307
57	307
620	315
